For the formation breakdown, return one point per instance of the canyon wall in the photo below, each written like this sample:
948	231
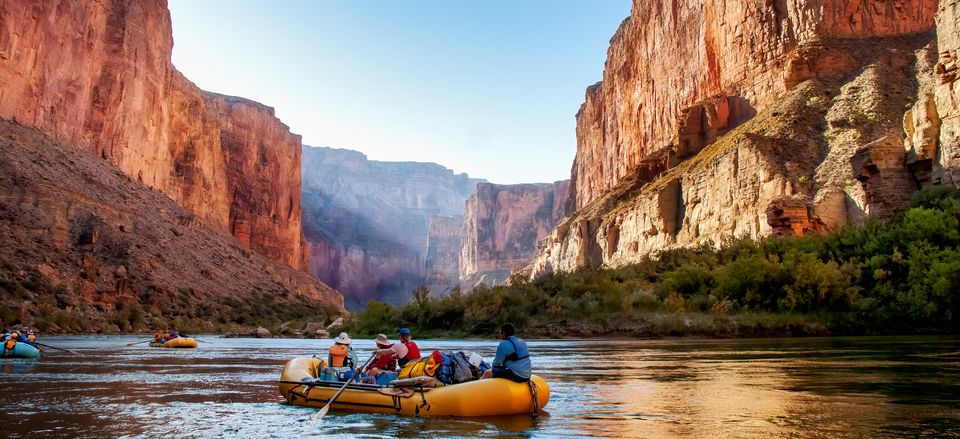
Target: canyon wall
442	258
939	117
366	222
679	73
502	225
87	248
716	119
98	76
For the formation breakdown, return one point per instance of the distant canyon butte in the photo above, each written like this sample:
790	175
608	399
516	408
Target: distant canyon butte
125	184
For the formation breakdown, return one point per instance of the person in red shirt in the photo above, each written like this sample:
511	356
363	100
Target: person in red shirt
386	356
413	351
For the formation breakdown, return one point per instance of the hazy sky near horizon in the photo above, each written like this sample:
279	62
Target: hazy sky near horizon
487	87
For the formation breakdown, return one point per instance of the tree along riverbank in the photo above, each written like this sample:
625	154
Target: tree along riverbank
901	276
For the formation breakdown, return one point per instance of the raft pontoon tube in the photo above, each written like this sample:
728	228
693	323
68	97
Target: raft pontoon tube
179	342
22	350
490	397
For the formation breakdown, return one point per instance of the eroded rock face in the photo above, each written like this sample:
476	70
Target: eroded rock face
98	76
442	260
943	112
259	151
668	57
785	118
502	226
102	243
366	221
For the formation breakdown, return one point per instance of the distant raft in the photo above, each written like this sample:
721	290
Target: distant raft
179	342
22	350
490	397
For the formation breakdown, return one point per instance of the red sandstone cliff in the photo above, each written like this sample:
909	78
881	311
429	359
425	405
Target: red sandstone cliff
718	119
98	75
502	225
87	248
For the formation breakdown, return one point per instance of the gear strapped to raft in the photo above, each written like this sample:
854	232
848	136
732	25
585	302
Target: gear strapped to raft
534	393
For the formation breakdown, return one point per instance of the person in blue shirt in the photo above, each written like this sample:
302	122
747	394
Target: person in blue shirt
512	360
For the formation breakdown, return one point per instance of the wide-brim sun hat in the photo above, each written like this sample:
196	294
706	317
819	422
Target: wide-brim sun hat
382	339
343	338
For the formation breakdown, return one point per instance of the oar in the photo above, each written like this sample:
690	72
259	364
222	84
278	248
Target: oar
54	347
139	342
356	374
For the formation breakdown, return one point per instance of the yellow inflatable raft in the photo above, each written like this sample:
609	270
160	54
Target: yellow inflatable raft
490	397
179	342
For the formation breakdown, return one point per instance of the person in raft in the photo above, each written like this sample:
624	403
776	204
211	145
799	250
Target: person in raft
512	360
383	368
341	353
413	351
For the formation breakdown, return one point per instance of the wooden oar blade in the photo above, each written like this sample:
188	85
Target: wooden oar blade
321	413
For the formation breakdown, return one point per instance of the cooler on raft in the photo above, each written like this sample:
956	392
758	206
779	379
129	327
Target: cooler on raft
490	397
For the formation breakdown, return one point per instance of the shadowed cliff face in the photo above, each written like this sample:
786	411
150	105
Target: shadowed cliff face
84	243
442	260
502	226
715	120
366	222
98	76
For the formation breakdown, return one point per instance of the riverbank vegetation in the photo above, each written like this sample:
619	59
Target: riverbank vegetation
896	277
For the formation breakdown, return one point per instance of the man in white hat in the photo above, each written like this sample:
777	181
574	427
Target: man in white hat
341	353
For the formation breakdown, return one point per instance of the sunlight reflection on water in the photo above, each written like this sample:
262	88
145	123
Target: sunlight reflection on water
844	387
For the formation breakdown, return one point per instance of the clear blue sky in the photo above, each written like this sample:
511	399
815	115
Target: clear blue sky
487	87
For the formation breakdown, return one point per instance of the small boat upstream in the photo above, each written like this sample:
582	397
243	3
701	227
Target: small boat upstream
179	342
22	350
301	385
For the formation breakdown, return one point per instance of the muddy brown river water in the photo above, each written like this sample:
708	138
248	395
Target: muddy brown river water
813	387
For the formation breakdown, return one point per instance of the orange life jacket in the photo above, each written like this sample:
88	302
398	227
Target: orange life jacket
31	338
338	353
10	344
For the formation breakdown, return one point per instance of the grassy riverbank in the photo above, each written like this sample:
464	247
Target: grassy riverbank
901	276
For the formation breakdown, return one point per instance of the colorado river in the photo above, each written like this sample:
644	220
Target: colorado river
821	387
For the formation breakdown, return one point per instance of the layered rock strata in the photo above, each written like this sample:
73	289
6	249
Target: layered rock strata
82	238
366	221
98	76
713	64
502	226
772	118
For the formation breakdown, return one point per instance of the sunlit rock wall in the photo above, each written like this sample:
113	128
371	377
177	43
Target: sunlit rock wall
98	76
760	117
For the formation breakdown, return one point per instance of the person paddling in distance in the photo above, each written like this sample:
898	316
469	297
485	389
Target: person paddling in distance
340	353
512	360
413	351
